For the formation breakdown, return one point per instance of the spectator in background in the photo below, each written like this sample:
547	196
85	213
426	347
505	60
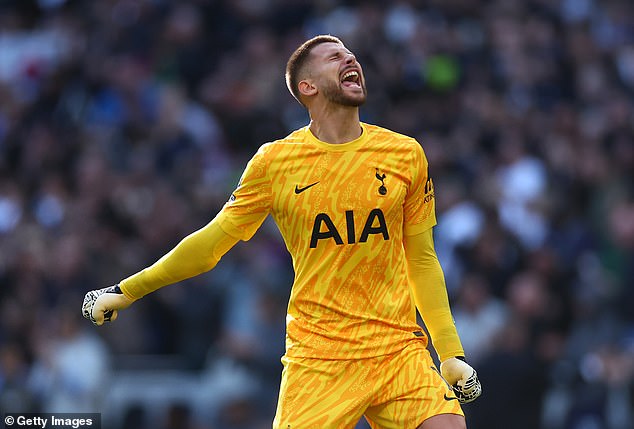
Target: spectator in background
71	367
14	371
479	317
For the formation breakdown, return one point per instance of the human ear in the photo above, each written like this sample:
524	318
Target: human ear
306	88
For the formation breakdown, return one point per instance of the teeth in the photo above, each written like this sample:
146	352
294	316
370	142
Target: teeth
350	74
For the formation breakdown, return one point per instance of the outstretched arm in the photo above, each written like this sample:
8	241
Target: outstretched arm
197	253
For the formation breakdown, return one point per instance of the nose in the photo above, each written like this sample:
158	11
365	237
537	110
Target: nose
350	59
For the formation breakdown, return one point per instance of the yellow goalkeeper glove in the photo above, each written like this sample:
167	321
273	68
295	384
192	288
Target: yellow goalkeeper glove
462	378
102	305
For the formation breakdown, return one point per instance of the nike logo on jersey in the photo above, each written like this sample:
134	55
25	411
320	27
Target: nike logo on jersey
299	190
450	398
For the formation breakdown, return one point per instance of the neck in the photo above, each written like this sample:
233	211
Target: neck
336	125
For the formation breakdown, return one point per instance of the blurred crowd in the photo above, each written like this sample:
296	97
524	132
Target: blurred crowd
125	125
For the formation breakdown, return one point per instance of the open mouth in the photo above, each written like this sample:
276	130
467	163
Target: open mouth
351	79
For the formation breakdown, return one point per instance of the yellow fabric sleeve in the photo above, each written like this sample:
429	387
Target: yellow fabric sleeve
430	293
195	254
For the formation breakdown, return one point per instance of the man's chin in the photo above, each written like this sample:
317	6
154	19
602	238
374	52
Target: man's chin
346	96
353	100
356	103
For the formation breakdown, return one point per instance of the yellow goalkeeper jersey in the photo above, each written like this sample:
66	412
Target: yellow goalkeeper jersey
342	211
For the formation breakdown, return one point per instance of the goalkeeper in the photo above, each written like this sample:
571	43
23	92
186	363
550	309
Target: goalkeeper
355	205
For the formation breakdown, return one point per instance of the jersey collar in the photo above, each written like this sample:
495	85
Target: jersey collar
341	147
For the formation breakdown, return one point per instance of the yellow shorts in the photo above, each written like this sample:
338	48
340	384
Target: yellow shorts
400	390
